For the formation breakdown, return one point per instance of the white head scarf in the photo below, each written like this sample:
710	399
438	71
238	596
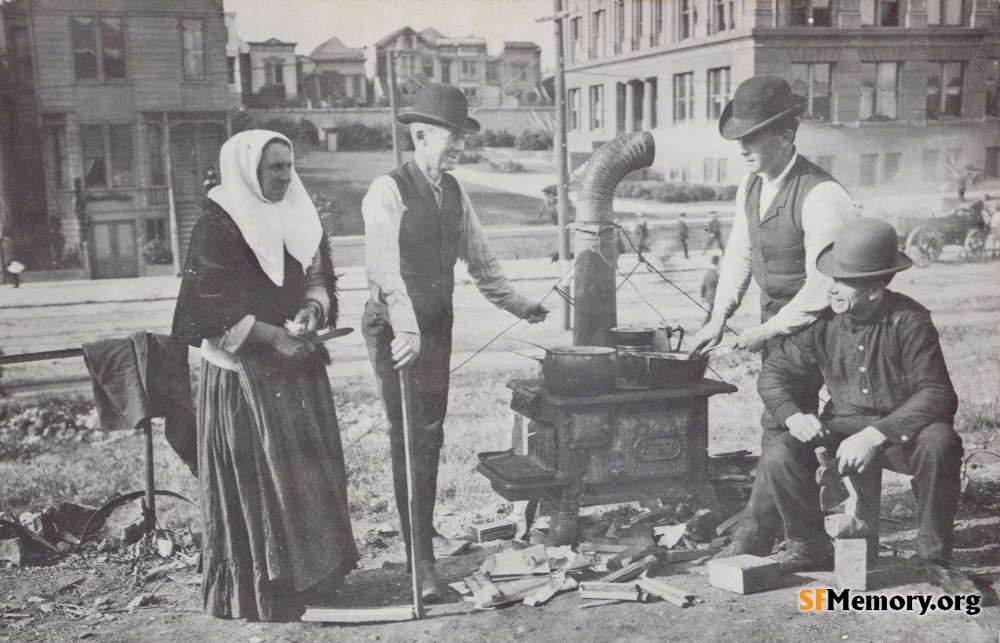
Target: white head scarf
268	227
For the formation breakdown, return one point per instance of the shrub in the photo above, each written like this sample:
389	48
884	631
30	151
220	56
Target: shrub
286	126
468	158
675	192
358	137
490	138
507	166
534	140
306	132
157	252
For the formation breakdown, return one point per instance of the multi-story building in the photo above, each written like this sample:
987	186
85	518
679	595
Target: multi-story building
119	109
464	62
274	69
898	90
237	63
334	75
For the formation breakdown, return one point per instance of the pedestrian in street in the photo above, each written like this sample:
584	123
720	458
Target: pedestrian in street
682	233
714	233
787	210
418	222
891	405
641	232
257	281
709	285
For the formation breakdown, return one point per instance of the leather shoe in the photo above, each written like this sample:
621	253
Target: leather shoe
948	577
814	555
746	542
430	586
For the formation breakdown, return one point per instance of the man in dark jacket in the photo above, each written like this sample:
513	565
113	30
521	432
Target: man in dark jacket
419	222
682	233
891	404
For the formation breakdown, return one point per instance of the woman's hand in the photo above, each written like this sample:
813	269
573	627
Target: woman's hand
308	316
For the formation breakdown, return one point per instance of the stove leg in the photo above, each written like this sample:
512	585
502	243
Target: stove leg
562	524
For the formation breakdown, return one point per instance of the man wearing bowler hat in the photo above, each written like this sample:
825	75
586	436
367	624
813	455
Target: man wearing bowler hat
418	223
891	404
787	210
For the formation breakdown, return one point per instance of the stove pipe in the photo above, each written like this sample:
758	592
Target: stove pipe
594	297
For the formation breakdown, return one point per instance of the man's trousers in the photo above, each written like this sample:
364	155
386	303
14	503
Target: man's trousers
429	379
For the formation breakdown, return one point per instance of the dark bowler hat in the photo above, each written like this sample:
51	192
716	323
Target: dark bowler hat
863	248
441	104
758	102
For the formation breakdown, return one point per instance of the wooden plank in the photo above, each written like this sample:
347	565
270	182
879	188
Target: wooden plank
728	523
850	563
371	615
664	591
684	555
631	571
744	574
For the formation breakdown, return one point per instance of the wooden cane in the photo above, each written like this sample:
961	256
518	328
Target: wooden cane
411	490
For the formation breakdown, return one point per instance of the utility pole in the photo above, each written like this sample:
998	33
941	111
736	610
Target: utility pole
562	160
397	149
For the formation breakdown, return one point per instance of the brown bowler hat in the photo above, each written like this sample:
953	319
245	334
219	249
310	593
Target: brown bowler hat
863	248
758	102
441	104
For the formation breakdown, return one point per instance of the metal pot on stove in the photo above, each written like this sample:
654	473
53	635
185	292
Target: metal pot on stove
578	371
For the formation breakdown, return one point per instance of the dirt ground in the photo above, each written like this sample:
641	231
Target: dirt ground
966	307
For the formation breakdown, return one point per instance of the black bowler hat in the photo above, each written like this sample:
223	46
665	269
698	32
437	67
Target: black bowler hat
758	102
441	104
863	248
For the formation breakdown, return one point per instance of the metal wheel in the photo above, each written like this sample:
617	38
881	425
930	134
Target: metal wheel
975	245
924	245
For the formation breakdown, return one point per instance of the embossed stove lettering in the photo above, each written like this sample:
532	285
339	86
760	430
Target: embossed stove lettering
653	444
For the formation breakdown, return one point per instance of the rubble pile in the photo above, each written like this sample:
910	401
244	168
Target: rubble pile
622	556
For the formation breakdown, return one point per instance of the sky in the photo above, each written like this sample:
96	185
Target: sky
363	22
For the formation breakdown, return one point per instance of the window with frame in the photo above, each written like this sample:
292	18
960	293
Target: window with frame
718	91
881	13
274	71
619	25
573	109
953	160
811	13
637	24
156	230
879	91
471	94
930	165
469	70
683	97
720	170
193	42
944	90
892	167
575	45
107	156
598	38
993	87
708	170
814	81
231	70
427	66
596	107
98	48
685	19
656	24
24	74
869	169
945	12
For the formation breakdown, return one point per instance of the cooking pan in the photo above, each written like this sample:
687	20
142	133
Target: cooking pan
578	371
668	369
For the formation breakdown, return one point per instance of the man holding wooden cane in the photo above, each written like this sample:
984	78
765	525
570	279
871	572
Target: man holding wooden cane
418	222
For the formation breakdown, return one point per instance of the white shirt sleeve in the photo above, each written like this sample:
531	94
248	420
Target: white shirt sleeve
736	268
382	211
825	209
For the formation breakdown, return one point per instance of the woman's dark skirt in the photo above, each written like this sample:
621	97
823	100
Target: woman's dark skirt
273	487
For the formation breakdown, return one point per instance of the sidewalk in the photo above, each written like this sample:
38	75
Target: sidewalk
100	291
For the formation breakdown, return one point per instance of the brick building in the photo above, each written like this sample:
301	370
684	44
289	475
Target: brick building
118	110
899	90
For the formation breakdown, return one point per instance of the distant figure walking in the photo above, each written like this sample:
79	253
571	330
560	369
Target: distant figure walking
709	284
682	233
641	232
714	233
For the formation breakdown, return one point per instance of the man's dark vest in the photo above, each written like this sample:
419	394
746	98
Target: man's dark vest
428	237
776	239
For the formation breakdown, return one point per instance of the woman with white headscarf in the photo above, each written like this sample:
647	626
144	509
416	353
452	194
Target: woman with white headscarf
277	530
